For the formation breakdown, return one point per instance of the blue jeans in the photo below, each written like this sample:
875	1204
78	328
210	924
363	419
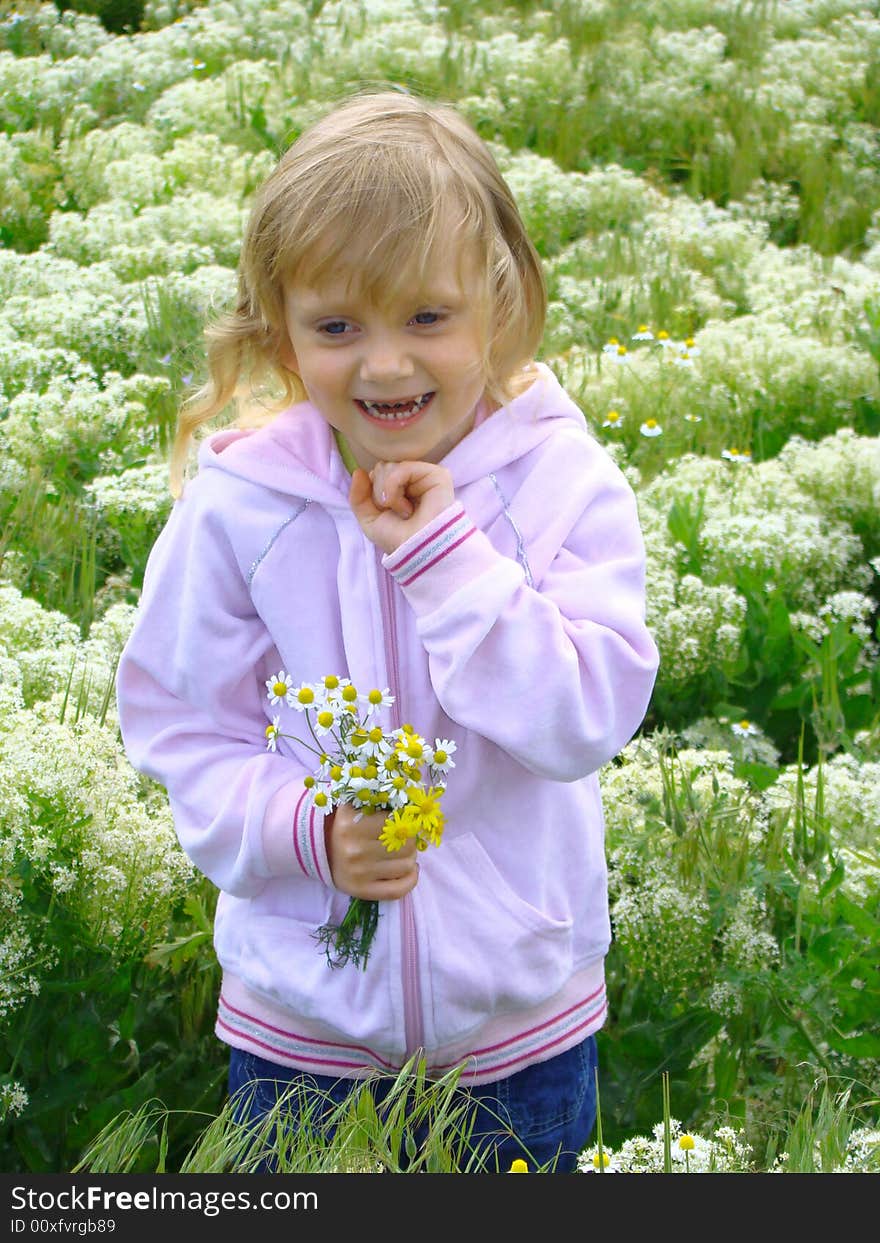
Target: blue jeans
544	1114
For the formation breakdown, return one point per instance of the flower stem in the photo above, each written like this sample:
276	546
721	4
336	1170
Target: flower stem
350	940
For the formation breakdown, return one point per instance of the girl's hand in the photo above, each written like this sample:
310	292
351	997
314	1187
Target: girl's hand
397	499
359	863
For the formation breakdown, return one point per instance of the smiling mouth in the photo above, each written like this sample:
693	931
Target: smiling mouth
394	411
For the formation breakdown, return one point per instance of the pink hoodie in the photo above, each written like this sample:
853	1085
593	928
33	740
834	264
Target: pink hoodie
514	625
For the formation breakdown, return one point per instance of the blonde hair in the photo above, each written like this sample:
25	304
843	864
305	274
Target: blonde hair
385	176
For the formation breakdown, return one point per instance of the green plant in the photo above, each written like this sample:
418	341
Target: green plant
403	1124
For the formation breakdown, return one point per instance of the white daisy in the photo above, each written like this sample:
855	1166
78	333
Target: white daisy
376	746
375	700
410	746
613	419
743	729
325	719
394	789
272	733
322	801
734	455
279	687
325	764
644	334
305	696
651	428
442	758
333	686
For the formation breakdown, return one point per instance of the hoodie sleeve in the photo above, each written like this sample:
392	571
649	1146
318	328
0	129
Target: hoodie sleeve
559	671
192	713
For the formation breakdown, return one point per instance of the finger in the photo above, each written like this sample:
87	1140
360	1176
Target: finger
360	495
414	479
385	890
389	490
377	855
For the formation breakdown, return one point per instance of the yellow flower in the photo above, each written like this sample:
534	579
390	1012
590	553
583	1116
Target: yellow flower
686	1143
396	830
518	1166
424	809
604	1161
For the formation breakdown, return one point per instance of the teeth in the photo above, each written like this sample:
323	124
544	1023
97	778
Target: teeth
392	411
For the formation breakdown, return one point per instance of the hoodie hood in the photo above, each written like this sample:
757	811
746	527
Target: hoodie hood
297	455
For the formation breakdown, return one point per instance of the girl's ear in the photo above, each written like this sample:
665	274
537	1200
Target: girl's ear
286	354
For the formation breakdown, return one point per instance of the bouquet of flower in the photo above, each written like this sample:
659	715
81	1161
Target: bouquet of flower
374	770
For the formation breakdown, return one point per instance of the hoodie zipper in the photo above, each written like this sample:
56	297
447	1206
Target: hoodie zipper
412	1006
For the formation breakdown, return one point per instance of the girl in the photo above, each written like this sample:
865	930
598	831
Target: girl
426	514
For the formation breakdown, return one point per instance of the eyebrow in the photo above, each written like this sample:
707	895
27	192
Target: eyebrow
312	302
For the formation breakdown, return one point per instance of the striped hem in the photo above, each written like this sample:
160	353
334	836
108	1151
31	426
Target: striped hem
433	548
279	1044
545	1040
307	824
248	1024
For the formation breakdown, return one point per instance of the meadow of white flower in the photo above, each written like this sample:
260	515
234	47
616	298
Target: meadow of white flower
702	182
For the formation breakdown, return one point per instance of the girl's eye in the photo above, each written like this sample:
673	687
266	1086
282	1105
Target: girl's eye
427	318
335	328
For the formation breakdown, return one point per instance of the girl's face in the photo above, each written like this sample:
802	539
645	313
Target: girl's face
400	382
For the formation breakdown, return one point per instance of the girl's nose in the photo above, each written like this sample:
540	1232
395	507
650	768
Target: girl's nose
385	360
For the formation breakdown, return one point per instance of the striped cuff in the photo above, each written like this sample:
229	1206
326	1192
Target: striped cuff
308	840
445	555
293	835
430	545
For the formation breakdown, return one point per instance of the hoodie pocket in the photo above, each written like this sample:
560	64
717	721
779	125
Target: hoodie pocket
281	959
489	952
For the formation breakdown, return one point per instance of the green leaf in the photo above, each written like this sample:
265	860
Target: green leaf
759	776
833	881
861	1046
725	1067
792	698
163	1148
859	918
